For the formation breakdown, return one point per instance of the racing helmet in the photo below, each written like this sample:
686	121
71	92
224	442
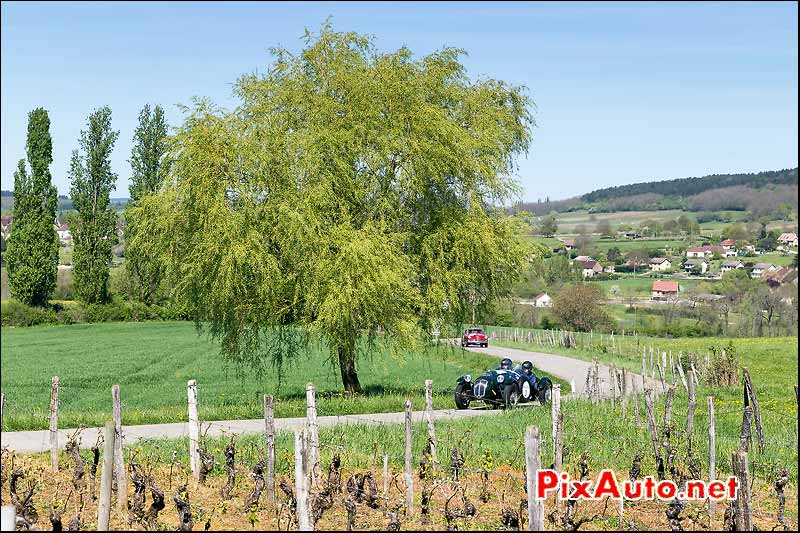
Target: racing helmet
505	364
527	367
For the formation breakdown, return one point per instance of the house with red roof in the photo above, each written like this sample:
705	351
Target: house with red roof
664	290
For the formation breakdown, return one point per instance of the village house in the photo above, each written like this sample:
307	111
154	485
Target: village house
664	290
542	300
787	240
590	268
583	258
610	269
781	276
63	233
660	264
728	244
727	266
760	268
696	265
5	225
748	249
569	244
707	251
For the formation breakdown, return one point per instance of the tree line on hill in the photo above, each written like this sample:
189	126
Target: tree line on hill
685	187
761	193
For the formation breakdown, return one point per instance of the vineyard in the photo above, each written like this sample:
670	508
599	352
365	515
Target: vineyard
454	474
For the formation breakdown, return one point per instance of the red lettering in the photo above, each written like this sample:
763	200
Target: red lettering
546	481
695	490
716	490
733	487
649	485
666	490
564	485
607	485
581	490
637	486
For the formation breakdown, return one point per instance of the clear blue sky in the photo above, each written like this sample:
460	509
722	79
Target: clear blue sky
625	92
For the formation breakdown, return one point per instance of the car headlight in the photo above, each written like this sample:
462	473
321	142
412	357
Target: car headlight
500	379
468	378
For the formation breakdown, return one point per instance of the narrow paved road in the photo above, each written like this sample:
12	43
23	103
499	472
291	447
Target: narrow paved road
566	368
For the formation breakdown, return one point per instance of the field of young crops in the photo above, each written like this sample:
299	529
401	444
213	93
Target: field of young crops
152	361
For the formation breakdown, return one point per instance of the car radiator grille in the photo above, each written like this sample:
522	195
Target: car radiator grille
480	388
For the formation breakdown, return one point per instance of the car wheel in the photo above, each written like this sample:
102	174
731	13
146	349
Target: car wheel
463	395
545	393
510	396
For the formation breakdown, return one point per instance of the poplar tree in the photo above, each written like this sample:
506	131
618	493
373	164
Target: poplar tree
32	255
149	167
94	223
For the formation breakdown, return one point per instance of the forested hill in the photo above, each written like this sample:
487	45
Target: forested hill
685	187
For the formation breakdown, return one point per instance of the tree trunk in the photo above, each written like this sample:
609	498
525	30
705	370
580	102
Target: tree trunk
347	366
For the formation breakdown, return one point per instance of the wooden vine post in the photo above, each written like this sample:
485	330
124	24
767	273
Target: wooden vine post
429	419
533	463
312	435
104	502
743	503
712	448
269	431
194	430
119	462
54	424
408	475
301	481
558	427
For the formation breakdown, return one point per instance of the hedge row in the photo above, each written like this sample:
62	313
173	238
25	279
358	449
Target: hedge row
18	314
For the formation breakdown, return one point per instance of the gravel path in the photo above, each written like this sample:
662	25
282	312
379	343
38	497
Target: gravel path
566	368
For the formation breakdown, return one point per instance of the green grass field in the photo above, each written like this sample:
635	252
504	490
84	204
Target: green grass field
778	259
636	286
626	245
152	362
610	439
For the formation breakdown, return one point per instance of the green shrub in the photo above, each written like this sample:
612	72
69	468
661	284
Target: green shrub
16	313
72	314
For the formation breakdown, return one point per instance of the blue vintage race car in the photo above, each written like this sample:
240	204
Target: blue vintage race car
504	387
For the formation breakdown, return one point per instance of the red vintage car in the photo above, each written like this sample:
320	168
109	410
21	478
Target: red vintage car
474	337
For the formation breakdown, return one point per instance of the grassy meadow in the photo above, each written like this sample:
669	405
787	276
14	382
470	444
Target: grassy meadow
152	361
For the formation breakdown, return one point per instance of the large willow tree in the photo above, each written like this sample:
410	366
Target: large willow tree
351	194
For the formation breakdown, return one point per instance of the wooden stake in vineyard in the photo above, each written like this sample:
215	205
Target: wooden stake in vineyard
636	404
194	430
269	430
690	412
743	503
104	503
54	424
119	463
750	398
409	478
533	463
624	399
712	448
429	419
557	421
312	435
304	522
